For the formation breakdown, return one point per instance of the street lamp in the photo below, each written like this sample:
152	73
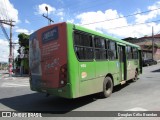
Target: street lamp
49	19
47	13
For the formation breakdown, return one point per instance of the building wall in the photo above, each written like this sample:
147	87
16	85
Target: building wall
157	54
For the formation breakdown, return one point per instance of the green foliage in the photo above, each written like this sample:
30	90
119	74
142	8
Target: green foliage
18	61
23	42
158	45
23	39
25	63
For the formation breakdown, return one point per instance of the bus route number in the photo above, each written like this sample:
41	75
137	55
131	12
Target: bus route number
83	65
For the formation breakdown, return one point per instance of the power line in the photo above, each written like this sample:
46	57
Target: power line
115	18
3	10
134	24
122	16
3	29
2	15
157	33
6	11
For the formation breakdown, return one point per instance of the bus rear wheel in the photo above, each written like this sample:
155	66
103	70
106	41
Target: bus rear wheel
107	87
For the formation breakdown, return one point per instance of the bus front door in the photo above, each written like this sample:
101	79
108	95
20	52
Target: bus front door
122	63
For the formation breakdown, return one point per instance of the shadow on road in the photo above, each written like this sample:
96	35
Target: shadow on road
119	87
38	102
158	70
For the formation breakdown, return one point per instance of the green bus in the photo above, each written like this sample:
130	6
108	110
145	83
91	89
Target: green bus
71	61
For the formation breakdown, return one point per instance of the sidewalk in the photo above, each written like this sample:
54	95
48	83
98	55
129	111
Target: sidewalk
18	76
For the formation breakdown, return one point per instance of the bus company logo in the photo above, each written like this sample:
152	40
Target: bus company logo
6	114
84	74
49	35
83	65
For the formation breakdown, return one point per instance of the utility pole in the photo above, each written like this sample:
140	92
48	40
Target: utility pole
49	19
10	51
10	23
152	43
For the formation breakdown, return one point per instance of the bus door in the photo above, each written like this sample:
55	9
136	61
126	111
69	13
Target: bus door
122	62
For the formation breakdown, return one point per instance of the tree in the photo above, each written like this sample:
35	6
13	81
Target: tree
24	43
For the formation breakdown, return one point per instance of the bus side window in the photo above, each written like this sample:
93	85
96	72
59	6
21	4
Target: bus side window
112	54
83	46
100	49
135	53
129	52
79	52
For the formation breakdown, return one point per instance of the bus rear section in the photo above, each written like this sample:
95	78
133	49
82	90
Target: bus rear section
48	60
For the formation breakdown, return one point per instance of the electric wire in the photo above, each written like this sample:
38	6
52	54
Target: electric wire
6	10
136	24
122	16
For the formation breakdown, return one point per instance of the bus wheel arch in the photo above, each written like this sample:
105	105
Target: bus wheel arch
110	75
107	86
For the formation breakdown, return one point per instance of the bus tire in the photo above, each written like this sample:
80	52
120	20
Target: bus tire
136	76
107	87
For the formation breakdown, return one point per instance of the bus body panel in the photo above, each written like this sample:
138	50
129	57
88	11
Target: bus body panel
101	68
52	57
131	68
113	69
73	64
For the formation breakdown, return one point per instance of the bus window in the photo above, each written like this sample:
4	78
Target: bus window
82	40
135	53
83	46
112	54
99	43
100	50
129	52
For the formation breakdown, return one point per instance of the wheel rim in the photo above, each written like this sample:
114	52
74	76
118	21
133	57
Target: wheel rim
108	87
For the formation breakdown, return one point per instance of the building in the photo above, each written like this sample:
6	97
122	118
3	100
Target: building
3	65
146	46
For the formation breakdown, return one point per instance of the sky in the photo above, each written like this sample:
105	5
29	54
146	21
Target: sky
117	18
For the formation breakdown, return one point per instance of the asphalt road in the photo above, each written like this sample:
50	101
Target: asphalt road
142	95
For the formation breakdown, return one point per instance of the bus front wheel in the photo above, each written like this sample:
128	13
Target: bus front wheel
107	87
